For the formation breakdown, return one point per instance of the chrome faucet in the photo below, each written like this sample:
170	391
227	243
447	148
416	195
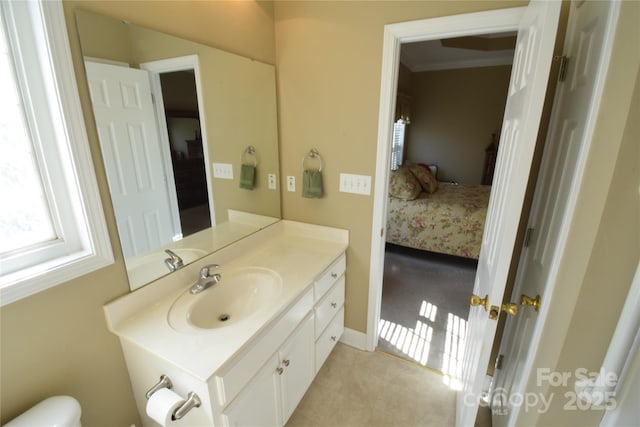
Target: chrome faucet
174	262
206	279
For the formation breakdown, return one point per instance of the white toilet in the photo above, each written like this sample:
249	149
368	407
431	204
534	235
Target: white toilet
56	411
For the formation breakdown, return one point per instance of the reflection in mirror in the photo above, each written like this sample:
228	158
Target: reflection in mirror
182	120
174	118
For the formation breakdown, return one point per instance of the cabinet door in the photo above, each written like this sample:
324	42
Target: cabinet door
297	363
258	404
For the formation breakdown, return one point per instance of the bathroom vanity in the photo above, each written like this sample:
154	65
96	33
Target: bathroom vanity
250	345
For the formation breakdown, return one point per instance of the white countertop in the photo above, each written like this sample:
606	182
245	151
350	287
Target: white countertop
297	252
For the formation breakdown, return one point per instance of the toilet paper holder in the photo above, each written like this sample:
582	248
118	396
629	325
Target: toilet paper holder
165	382
192	401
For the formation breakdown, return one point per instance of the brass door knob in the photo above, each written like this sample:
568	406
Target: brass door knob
510	308
476	300
527	301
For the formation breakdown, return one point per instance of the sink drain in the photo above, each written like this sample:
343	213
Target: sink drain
223	317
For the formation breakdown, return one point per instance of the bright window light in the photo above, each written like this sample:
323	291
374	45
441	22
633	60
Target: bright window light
25	218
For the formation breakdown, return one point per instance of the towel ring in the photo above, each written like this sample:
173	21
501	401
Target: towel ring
312	154
251	153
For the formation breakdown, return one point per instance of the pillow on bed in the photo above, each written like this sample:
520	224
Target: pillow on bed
426	179
403	184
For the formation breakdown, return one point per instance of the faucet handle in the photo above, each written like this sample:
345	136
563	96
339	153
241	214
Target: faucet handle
174	262
205	272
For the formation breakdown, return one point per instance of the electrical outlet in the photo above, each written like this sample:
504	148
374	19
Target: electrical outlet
291	183
223	170
357	184
271	181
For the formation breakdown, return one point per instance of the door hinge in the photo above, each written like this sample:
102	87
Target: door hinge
381	232
562	71
527	237
499	361
153	99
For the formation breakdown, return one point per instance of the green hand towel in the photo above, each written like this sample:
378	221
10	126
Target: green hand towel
247	176
312	184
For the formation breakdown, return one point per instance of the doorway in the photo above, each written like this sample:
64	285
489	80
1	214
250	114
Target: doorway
182	118
451	98
177	89
536	27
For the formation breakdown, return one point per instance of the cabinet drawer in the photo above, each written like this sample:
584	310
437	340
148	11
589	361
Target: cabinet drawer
329	338
329	277
329	306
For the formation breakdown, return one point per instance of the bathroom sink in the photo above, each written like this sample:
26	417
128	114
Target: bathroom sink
239	294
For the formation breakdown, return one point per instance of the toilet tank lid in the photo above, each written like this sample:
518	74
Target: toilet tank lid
59	411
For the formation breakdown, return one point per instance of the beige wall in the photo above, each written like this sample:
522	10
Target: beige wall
453	114
56	342
329	57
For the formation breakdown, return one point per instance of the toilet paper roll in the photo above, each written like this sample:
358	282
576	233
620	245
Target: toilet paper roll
162	404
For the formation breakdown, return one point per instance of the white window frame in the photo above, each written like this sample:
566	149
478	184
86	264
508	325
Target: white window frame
37	36
397	145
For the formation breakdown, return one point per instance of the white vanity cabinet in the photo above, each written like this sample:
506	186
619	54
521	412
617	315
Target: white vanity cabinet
272	395
253	372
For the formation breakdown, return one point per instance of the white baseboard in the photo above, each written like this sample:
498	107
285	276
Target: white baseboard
354	339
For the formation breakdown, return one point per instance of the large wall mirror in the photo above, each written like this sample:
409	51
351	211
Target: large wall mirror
188	135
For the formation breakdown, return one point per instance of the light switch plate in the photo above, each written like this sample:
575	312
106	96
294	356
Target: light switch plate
291	183
223	170
357	184
271	181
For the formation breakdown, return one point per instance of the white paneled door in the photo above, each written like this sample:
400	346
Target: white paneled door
568	137
128	133
529	78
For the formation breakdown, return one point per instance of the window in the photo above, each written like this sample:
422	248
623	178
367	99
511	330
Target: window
51	224
397	146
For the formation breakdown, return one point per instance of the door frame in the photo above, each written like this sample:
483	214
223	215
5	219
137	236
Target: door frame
180	63
487	22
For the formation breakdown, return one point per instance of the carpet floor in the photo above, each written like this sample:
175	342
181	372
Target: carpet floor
357	388
369	389
425	304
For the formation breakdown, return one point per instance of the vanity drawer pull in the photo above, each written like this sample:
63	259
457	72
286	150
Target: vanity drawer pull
280	371
329	338
328	278
326	309
286	362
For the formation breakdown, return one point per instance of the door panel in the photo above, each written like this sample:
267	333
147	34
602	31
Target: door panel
128	134
532	61
574	102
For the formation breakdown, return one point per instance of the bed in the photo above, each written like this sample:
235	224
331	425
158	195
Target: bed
449	220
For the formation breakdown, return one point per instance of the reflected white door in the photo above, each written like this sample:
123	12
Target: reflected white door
572	112
123	109
529	77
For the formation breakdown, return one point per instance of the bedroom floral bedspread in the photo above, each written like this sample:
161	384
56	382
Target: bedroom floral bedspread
449	221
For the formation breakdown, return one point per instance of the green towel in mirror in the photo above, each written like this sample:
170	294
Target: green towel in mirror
247	176
312	184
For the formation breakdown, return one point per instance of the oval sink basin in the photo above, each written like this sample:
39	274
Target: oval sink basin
239	294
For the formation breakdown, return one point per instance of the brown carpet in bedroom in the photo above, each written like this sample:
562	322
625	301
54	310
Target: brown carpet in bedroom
425	304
